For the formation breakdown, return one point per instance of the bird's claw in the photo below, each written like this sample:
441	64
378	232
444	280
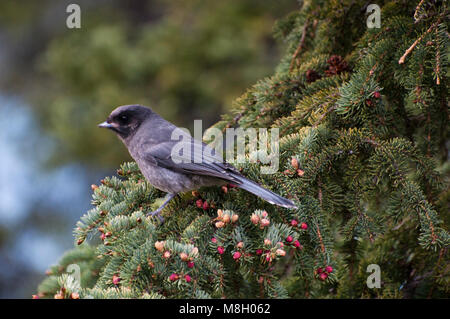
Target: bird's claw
157	213
159	210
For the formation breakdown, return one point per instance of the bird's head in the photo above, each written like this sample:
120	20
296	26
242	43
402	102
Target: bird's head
126	119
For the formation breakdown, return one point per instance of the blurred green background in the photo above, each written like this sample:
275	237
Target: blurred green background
186	59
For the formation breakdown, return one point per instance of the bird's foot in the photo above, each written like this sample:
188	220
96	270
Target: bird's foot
158	211
157	214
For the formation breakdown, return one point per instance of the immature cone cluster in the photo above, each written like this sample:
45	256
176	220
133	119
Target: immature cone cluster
295	166
323	273
296	243
261	219
187	257
238	254
225	218
202	204
159	245
174	277
271	255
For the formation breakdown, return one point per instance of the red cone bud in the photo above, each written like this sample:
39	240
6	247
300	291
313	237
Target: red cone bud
323	276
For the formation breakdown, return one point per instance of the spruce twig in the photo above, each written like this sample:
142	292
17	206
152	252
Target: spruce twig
411	48
300	45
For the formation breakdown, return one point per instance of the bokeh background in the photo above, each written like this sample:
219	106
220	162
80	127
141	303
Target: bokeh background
186	59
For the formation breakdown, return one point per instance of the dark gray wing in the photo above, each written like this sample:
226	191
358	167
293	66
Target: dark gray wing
191	157
196	158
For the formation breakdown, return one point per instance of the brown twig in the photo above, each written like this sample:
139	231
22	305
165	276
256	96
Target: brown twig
438	63
416	13
411	48
300	45
322	246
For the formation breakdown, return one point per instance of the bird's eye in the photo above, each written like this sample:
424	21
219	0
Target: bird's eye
123	119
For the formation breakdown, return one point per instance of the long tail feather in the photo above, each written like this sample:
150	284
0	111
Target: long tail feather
265	194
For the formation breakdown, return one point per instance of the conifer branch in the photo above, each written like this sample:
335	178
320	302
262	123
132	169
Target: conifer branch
411	48
300	45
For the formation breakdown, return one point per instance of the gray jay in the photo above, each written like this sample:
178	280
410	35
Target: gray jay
149	139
